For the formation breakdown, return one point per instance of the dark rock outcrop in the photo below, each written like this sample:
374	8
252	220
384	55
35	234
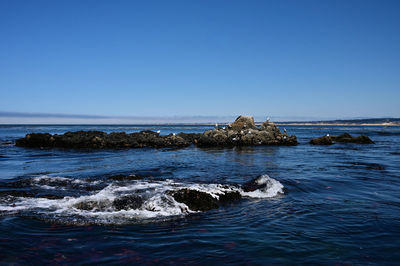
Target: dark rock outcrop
243	132
344	138
202	201
98	139
325	140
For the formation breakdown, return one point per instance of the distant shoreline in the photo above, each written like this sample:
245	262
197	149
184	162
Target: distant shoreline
334	124
349	122
213	124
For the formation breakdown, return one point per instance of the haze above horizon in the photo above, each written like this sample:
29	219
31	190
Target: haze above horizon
310	60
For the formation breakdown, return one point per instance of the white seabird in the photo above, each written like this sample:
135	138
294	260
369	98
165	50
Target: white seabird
327	135
158	131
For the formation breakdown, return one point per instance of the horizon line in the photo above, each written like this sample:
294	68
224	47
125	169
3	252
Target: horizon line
10	118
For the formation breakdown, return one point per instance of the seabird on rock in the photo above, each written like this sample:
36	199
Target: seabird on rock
173	134
158	131
284	130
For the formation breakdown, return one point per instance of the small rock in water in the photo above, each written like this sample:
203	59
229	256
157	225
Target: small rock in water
344	138
325	140
202	201
196	200
254	184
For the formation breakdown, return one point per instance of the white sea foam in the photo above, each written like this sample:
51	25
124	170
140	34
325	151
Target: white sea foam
272	188
156	196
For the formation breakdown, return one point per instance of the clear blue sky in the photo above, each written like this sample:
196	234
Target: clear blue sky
324	59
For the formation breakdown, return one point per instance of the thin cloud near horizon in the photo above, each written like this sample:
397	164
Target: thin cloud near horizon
43	118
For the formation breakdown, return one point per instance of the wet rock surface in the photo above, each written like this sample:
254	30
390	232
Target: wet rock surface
128	202
344	138
202	201
242	132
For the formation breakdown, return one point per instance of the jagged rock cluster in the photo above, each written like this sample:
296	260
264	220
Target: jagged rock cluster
242	132
344	138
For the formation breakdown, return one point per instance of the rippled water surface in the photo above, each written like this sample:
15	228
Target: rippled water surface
339	204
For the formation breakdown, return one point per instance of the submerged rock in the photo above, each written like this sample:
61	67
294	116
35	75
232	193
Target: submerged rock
202	201
50	196
17	193
27	194
259	183
125	177
244	132
344	138
92	205
128	202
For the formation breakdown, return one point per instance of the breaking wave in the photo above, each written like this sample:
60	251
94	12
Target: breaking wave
77	201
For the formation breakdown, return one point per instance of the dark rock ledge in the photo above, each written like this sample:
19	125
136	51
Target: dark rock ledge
344	138
242	132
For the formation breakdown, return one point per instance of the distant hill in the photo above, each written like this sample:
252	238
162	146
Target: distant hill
367	121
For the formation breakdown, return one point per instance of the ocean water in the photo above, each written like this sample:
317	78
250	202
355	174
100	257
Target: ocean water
336	204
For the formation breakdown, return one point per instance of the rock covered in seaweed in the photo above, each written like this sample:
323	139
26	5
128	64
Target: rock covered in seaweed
244	132
344	138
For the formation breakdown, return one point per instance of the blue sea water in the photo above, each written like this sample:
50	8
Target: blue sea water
340	204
